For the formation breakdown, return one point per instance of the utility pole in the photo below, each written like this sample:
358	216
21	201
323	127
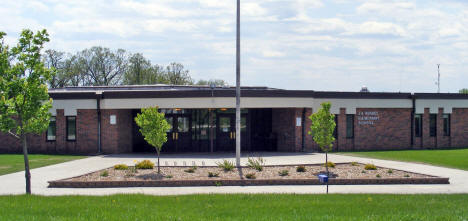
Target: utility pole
438	78
238	114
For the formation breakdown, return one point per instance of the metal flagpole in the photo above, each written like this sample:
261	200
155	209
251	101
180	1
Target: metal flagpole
238	115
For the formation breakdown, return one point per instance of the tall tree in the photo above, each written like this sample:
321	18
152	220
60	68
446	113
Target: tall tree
24	100
321	129
140	71
216	82
177	75
103	67
56	60
463	91
153	126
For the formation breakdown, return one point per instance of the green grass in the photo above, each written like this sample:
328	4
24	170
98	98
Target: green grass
236	207
10	163
454	158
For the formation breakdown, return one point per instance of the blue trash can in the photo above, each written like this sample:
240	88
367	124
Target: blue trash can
323	178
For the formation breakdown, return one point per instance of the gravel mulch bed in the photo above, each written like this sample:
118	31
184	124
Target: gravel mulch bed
343	171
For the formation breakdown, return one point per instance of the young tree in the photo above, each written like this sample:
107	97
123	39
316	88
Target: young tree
153	127
323	125
463	91
24	100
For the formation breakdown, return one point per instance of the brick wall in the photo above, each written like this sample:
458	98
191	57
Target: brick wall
116	138
459	131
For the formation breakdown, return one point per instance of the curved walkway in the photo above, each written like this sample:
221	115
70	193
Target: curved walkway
14	183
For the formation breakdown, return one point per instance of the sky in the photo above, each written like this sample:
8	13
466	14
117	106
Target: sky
338	45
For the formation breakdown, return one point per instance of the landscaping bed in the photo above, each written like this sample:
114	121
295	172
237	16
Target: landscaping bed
341	174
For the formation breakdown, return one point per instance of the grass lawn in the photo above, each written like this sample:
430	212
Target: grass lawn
455	158
10	163
236	207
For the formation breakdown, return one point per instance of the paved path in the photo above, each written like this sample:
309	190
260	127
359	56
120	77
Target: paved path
14	183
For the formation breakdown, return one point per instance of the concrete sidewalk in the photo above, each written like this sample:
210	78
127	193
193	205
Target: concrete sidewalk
14	183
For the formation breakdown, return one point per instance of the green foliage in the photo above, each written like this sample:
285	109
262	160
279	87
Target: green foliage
463	91
330	164
24	99
153	127
283	172
250	176
216	82
145	165
213	174
105	173
168	176
363	171
120	167
406	175
354	164
322	127
378	176
218	183
226	165
390	171
10	163
191	169
370	167
301	169
256	163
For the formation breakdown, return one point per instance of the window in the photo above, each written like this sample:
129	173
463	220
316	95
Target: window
433	125
349	126
71	128
446	124
51	131
335	131
418	125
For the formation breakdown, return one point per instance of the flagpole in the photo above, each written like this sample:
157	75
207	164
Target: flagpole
238	115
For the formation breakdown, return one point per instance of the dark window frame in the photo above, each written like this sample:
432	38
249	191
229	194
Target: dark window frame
349	126
67	127
418	125
433	125
335	131
447	124
47	132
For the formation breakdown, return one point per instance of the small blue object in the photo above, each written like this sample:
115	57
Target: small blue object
323	178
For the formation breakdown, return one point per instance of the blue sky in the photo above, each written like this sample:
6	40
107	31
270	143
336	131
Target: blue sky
295	44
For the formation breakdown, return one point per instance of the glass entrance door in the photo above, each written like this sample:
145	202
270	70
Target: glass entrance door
179	137
226	132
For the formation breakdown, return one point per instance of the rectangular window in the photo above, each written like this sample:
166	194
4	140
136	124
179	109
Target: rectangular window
335	132
51	130
446	124
418	125
71	128
349	126
433	125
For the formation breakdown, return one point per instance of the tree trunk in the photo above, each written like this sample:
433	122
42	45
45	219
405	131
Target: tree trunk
326	161
159	171
27	174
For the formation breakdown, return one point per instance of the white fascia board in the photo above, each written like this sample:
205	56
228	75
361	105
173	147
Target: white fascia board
352	104
70	106
435	104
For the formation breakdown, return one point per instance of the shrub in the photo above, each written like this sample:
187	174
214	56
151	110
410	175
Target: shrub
190	170
120	167
250	176
390	171
283	172
330	164
378	175
105	173
213	174
363	171
145	164
354	163
226	165
256	164
406	175
218	183
370	167
301	169
169	176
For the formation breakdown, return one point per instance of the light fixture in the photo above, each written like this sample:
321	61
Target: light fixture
177	109
223	109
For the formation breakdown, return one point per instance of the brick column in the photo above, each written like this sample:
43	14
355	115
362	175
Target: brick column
342	129
61	133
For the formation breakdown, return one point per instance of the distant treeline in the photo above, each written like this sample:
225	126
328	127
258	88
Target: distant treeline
99	66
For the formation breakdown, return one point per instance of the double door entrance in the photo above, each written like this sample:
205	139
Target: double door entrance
179	136
226	132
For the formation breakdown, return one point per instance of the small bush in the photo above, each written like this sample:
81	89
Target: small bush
378	175
283	172
250	176
191	169
330	164
105	173
370	167
354	163
256	164
213	174
390	171
301	169
363	171
120	167
144	165
406	175
169	176
226	165
218	183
